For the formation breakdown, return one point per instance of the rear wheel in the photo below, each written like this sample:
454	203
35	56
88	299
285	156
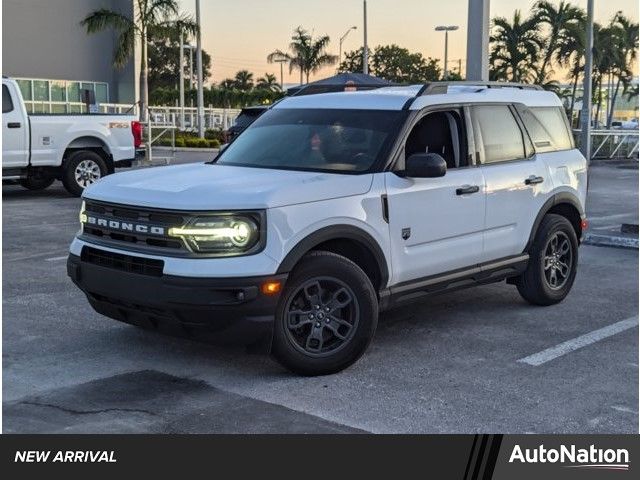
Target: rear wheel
326	316
83	169
552	264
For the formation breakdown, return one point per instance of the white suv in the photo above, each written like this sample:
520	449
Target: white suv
331	208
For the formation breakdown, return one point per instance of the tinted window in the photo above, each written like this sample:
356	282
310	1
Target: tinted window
498	133
348	141
246	118
441	133
7	104
547	128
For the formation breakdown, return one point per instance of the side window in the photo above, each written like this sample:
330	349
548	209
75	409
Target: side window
498	134
547	128
442	133
7	103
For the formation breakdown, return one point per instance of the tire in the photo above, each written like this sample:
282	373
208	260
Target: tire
551	270
36	181
310	343
83	168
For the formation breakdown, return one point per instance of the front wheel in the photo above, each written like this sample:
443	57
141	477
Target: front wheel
82	169
552	264
326	316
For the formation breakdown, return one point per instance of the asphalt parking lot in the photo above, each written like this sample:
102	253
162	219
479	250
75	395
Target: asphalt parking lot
479	360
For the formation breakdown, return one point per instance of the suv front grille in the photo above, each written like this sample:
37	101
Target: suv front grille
125	263
110	216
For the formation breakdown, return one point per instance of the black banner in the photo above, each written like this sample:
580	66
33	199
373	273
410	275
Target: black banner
459	457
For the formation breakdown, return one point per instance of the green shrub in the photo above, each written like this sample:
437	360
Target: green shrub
192	142
180	142
213	135
214	143
203	143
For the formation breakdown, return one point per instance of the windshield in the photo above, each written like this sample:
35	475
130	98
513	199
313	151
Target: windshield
342	141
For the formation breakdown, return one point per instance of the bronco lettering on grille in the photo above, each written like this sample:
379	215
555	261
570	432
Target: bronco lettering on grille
126	226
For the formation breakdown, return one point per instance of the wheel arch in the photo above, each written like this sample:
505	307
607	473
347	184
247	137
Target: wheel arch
348	241
92	144
561	203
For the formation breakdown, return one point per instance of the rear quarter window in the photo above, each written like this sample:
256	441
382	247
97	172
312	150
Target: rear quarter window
548	129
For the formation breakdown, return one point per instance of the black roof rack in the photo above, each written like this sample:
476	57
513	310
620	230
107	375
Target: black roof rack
436	88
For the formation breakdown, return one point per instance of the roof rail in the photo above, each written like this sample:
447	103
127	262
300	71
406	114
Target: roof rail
436	88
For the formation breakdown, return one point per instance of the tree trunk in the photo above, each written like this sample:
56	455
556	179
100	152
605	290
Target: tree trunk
599	103
573	96
613	103
144	77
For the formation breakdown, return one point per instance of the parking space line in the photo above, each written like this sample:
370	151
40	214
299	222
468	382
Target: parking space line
624	409
56	259
582	341
29	257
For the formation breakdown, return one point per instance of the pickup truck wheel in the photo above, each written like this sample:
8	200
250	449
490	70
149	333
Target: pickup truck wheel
326	317
552	264
36	181
82	169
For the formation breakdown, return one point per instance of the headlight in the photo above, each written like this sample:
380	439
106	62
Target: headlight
224	235
82	216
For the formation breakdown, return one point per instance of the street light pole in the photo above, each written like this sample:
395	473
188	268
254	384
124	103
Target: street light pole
585	116
365	50
181	79
281	61
446	29
200	79
342	40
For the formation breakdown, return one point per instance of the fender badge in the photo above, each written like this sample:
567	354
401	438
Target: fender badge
406	233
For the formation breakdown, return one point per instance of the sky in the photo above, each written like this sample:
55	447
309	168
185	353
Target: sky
239	34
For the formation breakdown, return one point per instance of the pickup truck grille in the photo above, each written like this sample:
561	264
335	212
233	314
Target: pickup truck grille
133	228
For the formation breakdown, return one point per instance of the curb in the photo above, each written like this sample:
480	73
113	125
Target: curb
185	149
610	241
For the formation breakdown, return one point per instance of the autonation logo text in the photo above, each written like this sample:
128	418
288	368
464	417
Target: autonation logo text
590	458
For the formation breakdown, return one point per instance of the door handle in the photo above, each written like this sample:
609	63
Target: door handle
467	189
14	125
533	180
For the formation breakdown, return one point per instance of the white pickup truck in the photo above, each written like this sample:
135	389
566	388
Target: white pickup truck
76	149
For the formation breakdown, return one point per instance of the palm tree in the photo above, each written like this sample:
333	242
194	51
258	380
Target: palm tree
626	40
558	19
570	55
278	56
150	14
515	48
243	80
268	82
308	54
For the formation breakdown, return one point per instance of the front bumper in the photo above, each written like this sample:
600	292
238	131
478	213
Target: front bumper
221	310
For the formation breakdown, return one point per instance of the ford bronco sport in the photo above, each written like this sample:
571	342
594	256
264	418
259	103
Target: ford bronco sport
331	208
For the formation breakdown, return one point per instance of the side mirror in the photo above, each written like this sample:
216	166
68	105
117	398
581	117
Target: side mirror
425	165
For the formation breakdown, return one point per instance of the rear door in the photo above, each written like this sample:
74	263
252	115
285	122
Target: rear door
517	182
15	129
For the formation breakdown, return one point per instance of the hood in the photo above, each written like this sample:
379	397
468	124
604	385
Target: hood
203	186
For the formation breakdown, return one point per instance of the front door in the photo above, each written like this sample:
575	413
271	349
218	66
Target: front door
14	130
436	224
